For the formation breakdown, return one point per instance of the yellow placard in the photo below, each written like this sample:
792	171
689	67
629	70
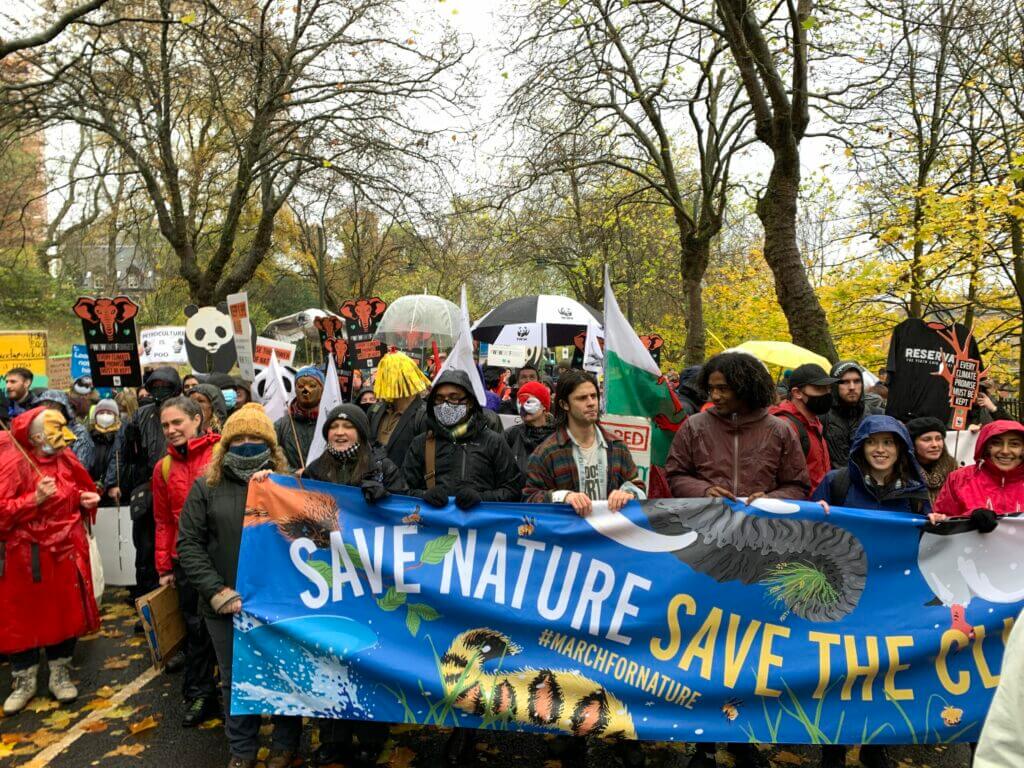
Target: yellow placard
23	349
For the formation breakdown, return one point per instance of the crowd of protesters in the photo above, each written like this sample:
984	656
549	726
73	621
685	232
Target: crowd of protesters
181	453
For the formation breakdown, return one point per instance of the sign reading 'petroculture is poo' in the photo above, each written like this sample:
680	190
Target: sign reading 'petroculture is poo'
676	620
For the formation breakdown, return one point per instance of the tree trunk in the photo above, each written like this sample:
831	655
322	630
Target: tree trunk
693	263
777	208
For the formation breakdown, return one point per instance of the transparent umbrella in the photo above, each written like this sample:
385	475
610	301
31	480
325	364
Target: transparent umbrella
416	321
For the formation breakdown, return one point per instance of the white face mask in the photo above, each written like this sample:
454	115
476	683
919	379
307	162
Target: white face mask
105	419
531	405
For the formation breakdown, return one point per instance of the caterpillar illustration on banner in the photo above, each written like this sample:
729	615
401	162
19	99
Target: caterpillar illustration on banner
558	699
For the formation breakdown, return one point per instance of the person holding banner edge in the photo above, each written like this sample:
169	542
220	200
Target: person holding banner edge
350	459
209	540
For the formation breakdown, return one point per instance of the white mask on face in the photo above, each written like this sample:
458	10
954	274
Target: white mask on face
105	419
531	405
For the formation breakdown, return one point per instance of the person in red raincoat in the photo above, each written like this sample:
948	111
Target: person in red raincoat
46	592
994	485
189	449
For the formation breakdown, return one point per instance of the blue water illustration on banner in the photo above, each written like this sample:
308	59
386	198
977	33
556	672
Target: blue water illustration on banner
674	620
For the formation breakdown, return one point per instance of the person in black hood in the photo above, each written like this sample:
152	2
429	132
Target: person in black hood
350	459
138	447
689	391
847	412
459	455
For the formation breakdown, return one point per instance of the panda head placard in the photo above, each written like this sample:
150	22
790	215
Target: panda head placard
208	339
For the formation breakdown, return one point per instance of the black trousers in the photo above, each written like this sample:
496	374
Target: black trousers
197	677
25	659
144	539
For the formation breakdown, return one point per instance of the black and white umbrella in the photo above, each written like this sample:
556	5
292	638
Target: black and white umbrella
536	321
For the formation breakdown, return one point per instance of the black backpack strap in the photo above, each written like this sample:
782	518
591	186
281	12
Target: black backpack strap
801	430
839	487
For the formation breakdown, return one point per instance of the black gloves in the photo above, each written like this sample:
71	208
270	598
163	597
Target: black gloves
467	497
373	490
436	496
984	520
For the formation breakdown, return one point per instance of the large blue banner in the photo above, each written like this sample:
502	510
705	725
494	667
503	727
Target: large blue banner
675	620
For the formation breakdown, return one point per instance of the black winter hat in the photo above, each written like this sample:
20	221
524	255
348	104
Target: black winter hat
352	413
925	424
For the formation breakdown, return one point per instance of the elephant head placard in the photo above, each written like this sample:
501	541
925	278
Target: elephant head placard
109	328
361	319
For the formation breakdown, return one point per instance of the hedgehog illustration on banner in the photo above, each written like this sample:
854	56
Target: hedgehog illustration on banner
109	328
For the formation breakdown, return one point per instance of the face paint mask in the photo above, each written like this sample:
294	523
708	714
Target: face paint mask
105	419
230	397
530	406
55	433
449	415
819	405
248	450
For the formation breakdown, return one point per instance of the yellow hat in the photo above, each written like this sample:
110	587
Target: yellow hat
252	420
398	376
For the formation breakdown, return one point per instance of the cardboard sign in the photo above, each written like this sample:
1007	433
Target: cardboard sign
332	340
58	372
963	373
261	354
23	349
163	346
209	341
109	328
162	623
507	355
241	329
361	319
654	343
635	432
80	361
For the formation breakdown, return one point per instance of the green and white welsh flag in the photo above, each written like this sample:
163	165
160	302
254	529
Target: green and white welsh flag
633	382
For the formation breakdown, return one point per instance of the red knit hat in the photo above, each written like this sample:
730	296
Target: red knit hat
535	389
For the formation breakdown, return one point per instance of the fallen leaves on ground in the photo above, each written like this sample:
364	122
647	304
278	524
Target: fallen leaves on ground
106	691
97	726
118	662
121	713
6	750
145	724
213	722
59	720
127	750
44	737
12	738
41	705
401	757
97	704
788	758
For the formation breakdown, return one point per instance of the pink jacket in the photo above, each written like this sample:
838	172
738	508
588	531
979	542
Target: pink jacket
983	486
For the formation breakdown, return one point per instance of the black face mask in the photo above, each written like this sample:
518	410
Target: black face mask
163	392
819	405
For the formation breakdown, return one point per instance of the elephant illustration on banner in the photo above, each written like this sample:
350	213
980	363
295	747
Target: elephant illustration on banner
332	341
107	315
362	314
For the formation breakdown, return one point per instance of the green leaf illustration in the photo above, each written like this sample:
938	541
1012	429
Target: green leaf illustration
424	611
412	621
353	552
392	599
324	569
436	549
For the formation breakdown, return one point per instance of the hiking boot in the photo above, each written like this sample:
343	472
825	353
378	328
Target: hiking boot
874	756
23	688
199	711
280	759
241	762
61	687
175	664
833	756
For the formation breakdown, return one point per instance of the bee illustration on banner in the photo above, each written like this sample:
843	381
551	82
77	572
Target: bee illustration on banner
731	709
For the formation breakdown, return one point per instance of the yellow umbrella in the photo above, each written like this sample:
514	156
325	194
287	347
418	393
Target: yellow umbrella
781	353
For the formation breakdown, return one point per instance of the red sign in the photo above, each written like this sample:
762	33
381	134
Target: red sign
964	375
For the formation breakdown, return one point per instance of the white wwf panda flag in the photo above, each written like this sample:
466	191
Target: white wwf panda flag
209	339
270	389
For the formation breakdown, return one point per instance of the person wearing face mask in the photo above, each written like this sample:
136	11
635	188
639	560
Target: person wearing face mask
534	401
242	394
46	592
295	430
459	455
365	398
82	445
103	428
929	436
209	540
350	459
139	446
211	401
189	450
810	397
883	474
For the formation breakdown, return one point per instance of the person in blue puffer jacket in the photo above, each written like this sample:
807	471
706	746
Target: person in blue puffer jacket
882	474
